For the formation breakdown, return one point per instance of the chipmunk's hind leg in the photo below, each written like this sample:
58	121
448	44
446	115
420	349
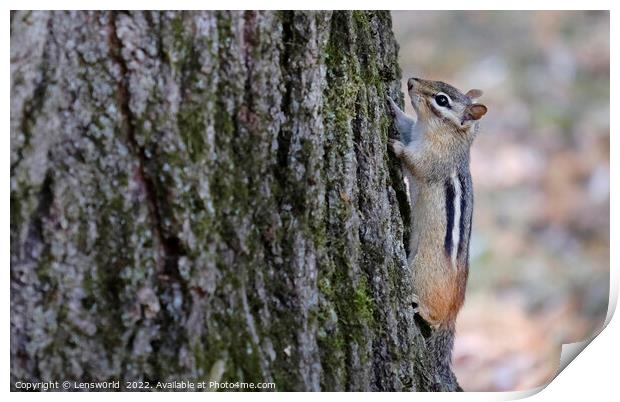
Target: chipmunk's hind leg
423	325
404	123
415	300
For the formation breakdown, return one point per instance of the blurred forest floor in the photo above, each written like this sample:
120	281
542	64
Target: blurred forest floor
540	245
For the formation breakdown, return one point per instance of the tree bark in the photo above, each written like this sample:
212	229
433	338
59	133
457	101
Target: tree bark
208	196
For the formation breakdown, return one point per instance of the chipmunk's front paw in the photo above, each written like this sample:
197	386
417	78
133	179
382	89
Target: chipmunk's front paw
396	146
394	109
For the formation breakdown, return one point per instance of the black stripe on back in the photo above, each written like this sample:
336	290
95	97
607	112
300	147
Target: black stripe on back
449	190
465	221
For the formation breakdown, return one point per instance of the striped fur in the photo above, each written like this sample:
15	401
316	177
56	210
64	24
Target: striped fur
435	155
465	224
459	208
449	195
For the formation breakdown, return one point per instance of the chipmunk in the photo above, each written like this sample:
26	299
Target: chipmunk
434	151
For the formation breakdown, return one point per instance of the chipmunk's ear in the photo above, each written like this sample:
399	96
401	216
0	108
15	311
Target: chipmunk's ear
474	93
475	111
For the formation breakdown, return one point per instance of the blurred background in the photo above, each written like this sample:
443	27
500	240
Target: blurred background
540	164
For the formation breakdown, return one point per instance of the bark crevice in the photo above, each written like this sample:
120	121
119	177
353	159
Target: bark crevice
33	105
172	247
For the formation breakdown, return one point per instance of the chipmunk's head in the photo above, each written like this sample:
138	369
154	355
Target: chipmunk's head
441	108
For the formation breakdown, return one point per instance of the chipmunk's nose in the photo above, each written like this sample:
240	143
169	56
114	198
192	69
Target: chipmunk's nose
411	82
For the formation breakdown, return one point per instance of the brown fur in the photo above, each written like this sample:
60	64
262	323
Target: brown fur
441	296
440	287
436	157
440	149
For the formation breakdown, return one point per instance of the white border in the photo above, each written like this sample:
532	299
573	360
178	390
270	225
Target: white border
314	5
592	375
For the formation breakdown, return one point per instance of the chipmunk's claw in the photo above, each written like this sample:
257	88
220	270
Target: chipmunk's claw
393	109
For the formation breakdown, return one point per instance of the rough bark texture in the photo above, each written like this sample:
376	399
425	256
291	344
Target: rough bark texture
209	196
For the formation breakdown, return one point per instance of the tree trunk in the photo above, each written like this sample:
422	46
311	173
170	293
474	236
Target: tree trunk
208	196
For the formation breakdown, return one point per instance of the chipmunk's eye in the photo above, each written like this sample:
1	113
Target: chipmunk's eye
442	100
